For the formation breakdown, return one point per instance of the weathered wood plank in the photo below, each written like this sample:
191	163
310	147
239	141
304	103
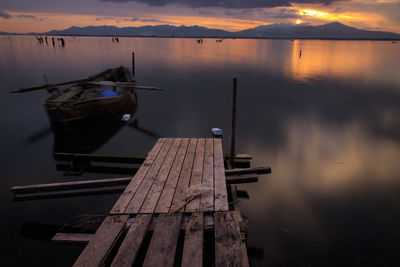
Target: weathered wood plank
257	170
97	158
228	244
69	193
96	252
126	180
76	169
239	220
126	196
184	177
70	185
129	249
156	189
221	197
193	245
238	156
240	179
197	174
163	244
72	238
137	201
164	203
207	198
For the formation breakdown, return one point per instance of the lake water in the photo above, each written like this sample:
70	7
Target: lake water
327	123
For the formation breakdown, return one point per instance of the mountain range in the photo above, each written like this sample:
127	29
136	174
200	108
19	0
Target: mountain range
334	30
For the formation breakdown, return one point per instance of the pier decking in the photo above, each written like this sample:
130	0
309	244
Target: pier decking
174	203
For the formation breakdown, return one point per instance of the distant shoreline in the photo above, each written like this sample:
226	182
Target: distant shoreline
202	37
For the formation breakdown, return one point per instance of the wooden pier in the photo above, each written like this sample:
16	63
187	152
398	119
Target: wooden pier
174	212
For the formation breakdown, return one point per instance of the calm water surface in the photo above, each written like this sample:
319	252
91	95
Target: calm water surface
327	123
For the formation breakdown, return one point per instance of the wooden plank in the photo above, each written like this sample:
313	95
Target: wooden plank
221	196
71	185
126	196
98	158
156	189
197	174
193	245
184	177
238	156
96	252
69	192
137	201
76	169
164	203
72	238
129	249
241	179
162	246
207	198
257	170
228	244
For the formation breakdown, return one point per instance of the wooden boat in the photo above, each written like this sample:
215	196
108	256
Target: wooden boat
106	94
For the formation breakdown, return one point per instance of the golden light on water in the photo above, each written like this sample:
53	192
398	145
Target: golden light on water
298	21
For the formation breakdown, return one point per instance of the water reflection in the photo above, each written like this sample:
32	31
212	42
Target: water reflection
326	122
357	62
89	136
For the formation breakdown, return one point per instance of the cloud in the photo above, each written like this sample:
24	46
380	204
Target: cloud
227	3
281	14
205	12
153	20
27	17
4	15
275	13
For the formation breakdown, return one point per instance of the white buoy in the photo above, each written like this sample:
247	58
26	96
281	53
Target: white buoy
126	117
216	131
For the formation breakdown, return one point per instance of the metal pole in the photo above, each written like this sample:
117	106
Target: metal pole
233	128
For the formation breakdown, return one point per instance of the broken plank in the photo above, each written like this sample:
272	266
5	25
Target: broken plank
228	244
238	156
197	174
193	245
163	245
77	169
156	189
164	203
241	179
129	249
184	177
69	193
130	190
207	198
221	197
258	170
72	238
71	185
98	158
137	200
99	247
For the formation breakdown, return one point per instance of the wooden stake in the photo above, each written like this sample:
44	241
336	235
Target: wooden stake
133	65
233	128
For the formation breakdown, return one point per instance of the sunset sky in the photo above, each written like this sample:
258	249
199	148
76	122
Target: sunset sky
25	16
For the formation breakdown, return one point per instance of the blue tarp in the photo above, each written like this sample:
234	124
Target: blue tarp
108	93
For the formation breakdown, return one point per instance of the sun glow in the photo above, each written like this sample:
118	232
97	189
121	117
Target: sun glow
298	21
329	16
314	13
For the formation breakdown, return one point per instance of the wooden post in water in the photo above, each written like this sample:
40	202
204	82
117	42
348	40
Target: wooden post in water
133	65
233	128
